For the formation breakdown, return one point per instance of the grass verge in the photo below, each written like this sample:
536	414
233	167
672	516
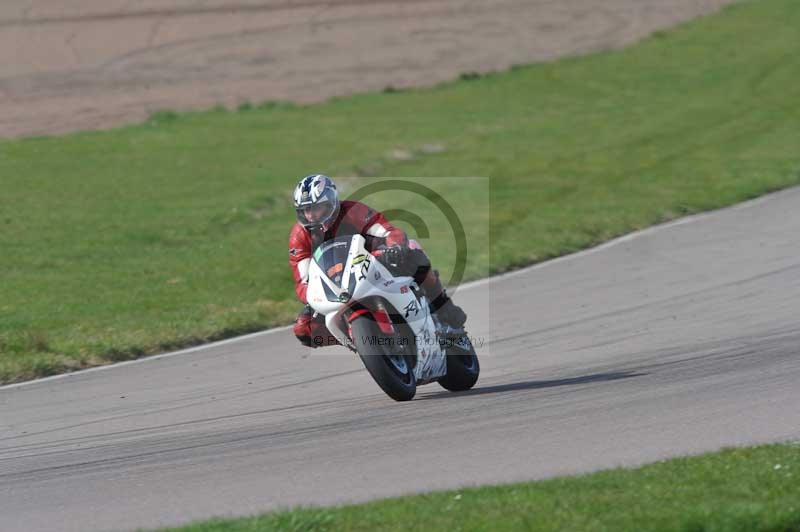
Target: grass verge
746	490
123	243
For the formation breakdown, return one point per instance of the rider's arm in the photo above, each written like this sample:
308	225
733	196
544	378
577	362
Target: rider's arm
299	260
374	224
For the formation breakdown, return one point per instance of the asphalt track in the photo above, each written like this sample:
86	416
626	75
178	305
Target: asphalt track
677	340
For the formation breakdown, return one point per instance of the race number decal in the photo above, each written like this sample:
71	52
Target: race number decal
365	263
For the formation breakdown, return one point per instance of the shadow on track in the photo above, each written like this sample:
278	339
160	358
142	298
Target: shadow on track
537	384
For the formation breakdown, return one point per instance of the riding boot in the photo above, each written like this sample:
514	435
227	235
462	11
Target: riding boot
440	303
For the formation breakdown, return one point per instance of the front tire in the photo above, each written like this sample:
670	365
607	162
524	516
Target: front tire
392	371
463	368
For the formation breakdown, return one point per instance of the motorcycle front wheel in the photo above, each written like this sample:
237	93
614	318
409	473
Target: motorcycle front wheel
392	370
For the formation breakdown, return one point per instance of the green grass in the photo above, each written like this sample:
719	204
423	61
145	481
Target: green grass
736	490
122	243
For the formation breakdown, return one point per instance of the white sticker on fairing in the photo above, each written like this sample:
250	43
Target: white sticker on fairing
377	230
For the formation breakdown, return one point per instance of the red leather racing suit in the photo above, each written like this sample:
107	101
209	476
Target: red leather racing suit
354	217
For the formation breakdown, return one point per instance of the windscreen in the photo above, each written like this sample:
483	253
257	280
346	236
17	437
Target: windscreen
331	257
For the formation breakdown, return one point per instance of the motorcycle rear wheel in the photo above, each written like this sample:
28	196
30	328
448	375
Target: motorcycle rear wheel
463	369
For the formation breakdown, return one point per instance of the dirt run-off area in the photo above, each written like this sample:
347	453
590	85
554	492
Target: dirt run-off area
88	64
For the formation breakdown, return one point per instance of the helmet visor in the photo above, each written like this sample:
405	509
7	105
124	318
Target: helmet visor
315	214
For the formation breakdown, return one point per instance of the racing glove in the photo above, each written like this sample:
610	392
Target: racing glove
394	256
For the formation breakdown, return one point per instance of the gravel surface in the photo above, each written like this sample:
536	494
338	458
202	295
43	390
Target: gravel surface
88	64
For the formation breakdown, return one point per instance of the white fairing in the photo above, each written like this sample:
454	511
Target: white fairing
371	278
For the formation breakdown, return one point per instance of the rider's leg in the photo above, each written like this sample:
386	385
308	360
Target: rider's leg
449	312
428	279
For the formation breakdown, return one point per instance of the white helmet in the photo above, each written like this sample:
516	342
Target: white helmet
316	190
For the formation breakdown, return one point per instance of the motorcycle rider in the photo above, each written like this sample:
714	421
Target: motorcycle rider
320	217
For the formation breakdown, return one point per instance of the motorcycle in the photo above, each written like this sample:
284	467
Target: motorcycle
386	320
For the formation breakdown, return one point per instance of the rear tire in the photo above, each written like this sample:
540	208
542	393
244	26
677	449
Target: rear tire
463	369
393	372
